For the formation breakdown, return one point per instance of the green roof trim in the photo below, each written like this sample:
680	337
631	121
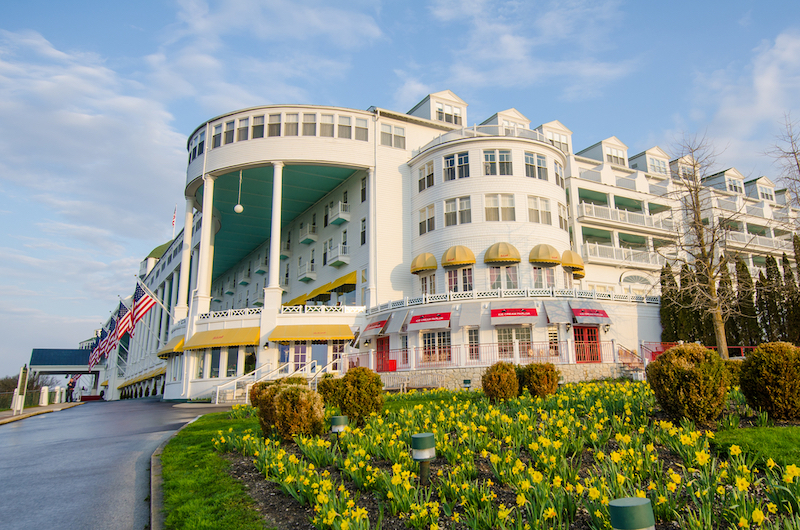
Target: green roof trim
159	250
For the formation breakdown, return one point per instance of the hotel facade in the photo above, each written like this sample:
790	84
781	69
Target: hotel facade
322	238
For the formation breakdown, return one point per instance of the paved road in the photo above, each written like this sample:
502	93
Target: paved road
86	467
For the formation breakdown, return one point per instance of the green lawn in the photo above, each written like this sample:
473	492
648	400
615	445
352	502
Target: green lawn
782	444
198	492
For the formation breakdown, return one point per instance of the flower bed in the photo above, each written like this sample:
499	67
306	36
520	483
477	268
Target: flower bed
526	463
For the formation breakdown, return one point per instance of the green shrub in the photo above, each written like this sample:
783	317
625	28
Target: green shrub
734	371
499	381
770	379
330	389
540	379
360	394
298	410
262	397
689	381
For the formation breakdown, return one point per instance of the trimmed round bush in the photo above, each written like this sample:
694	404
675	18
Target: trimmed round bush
499	381
330	389
262	397
298	410
689	381
360	394
770	380
540	379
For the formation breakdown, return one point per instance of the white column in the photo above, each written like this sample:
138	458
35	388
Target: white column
182	305
372	268
163	330
203	297
275	228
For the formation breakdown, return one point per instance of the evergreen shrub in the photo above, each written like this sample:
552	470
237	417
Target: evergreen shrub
499	381
540	379
262	397
734	371
298	410
330	389
360	394
770	380
689	381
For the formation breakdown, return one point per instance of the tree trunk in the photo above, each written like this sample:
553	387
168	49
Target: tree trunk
719	332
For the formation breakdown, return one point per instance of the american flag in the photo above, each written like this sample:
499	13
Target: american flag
123	320
111	340
174	213
97	352
142	303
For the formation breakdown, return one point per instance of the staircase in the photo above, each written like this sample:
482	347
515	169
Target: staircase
632	364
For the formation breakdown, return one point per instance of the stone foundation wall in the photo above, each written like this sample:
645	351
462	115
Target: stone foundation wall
470	377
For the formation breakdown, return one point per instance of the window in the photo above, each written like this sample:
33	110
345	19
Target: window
291	124
344	127
274	128
363	189
233	358
449	167
658	166
344	237
489	163
615	156
325	216
507	212
559	171
766	193
426	220
506	338
258	127
362	132
504	277
326	125
459	280
364	231
539	210
505	163
425	176
201	145
457	211
448	113
229	132
214	368
530	165
735	186
544	277
436	346
563	217
216	140
309	124
568	279
492	208
244	129
559	140
344	197
541	167
428	283
473	339
397	140
337	350
386	134
201	361
463	165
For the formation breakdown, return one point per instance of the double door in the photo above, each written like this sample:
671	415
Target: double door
587	344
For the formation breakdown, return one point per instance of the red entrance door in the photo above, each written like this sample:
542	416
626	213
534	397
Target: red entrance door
382	353
587	344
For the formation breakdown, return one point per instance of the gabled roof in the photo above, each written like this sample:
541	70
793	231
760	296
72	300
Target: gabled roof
556	126
614	140
444	94
762	180
730	172
654	151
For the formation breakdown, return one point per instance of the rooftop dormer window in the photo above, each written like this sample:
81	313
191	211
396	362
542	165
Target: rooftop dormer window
615	156
559	140
766	193
448	113
734	186
658	166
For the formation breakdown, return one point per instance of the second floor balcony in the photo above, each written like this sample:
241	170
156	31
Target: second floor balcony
307	272
741	240
339	213
339	255
614	216
597	253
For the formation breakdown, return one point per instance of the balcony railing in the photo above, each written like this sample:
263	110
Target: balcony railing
308	234
623	216
339	255
340	213
307	272
628	255
752	239
479	131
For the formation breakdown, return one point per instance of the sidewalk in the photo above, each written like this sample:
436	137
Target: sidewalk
7	416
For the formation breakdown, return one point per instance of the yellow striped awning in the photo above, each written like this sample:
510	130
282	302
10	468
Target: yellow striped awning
501	253
104	383
324	289
423	262
457	255
578	274
174	345
345	284
571	260
223	337
543	254
300	300
311	332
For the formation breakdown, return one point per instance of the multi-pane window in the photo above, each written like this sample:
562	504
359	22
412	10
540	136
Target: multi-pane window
489	163
507	336
448	113
425	176
201	144
615	156
363	189
766	193
449	167
229	126
559	171
364	231
459	280
233	357
309	124
244	129
530	165
398	139
503	277
559	140
544	277
658	166
326	125
386	134
505	163
216	140
568	279
427	221
492	208
436	346
344	127
463	165
337	350
427	283
735	186
474	341
362	129
214	365
201	361
457	211
539	210
274	127
292	125
562	217
541	167
507	212
258	126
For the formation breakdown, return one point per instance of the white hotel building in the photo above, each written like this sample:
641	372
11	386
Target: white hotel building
321	238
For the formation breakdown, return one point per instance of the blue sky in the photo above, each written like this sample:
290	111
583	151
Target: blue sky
97	99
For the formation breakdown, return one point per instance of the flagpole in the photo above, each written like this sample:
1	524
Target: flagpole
153	296
148	328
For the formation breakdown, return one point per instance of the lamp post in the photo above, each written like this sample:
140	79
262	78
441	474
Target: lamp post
423	450
631	513
338	424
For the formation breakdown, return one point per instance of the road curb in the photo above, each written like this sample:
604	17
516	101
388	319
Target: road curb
157	482
12	419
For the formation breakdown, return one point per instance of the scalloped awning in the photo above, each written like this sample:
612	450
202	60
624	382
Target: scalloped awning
544	254
502	253
457	255
571	260
423	262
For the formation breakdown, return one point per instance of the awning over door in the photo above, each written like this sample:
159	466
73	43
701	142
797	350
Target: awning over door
173	346
345	284
396	322
428	319
589	312
514	312
311	332
558	312
223	337
375	326
470	315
